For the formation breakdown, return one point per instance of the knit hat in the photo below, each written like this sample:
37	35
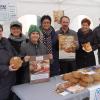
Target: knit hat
33	28
15	23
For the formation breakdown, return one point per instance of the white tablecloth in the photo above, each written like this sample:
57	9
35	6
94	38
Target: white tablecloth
46	91
94	92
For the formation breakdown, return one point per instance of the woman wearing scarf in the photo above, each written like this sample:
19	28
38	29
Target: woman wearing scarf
16	39
50	41
85	58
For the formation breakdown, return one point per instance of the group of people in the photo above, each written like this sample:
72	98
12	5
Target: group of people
43	40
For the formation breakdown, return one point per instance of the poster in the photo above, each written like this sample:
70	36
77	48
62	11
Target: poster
67	46
7	10
39	69
56	16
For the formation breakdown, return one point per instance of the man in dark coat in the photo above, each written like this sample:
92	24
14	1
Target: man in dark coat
67	64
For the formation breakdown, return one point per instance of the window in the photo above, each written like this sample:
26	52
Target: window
76	22
27	20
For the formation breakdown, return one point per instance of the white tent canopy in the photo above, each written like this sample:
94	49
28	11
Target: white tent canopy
75	9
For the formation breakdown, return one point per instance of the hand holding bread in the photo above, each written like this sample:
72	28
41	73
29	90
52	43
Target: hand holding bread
15	63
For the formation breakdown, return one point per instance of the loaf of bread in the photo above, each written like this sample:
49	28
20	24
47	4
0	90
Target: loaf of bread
76	74
16	62
68	84
74	80
87	78
60	88
87	47
97	70
96	77
67	76
82	83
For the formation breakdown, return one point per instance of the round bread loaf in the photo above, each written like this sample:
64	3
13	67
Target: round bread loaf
16	62
87	78
96	77
74	80
84	84
87	46
97	70
67	76
76	74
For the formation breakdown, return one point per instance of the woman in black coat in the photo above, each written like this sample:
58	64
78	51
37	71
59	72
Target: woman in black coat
85	35
16	39
7	76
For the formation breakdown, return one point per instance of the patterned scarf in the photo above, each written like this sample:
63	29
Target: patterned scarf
47	39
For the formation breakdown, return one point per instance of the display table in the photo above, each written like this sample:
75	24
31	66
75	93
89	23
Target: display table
46	91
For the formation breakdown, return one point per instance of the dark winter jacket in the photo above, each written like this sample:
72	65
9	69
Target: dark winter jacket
16	43
7	78
50	41
84	59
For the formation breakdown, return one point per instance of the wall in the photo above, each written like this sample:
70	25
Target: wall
71	9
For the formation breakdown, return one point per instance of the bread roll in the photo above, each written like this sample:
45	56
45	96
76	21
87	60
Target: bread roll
74	80
60	88
97	70
67	76
84	84
76	74
87	78
96	77
68	84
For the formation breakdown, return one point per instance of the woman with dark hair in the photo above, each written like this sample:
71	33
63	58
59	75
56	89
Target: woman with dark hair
85	55
49	40
16	39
